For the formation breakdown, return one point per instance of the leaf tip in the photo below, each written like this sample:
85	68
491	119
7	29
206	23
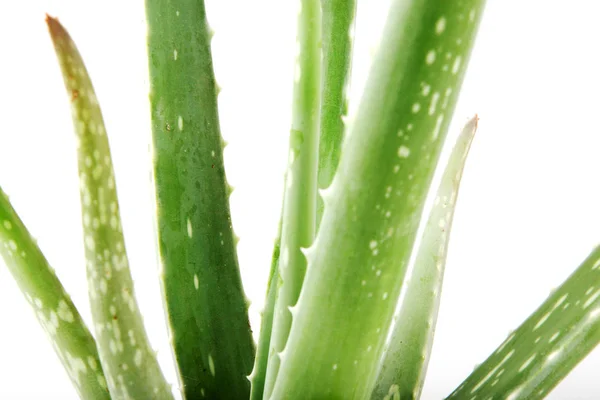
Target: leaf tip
54	26
49	19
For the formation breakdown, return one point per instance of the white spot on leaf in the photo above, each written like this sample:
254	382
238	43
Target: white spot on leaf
438	127
526	363
403	152
64	312
440	25
430	57
190	231
432	106
211	365
426	89
456	65
137	358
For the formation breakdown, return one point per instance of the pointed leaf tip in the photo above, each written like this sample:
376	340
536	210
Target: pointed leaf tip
104	240
405	363
55	27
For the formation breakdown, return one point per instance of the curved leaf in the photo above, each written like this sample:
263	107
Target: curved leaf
72	341
129	362
405	362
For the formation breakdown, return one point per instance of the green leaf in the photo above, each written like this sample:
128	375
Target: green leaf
547	346
405	362
337	19
129	362
338	24
205	301
299	205
72	341
259	372
372	209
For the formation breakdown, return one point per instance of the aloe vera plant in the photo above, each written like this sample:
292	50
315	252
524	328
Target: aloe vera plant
354	289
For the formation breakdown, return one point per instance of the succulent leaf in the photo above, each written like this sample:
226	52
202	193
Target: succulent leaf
547	346
72	341
299	205
372	209
407	355
337	20
129	362
259	372
203	291
338	26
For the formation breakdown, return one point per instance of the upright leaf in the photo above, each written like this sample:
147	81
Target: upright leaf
299	205
547	346
129	362
205	301
338	26
358	260
337	22
53	307
405	361
259	372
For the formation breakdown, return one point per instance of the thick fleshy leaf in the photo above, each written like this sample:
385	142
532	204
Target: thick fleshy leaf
299	205
372	209
259	372
206	305
338	27
337	20
407	355
72	341
547	346
129	362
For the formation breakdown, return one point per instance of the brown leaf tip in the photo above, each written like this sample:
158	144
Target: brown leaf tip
50	20
476	120
55	27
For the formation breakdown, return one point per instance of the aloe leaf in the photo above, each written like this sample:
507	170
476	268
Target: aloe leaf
203	291
259	372
337	20
547	346
72	341
405	361
299	205
354	274
129	362
338	24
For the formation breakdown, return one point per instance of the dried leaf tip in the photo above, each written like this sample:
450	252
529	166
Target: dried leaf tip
55	27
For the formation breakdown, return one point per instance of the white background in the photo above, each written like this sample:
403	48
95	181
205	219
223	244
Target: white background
528	211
